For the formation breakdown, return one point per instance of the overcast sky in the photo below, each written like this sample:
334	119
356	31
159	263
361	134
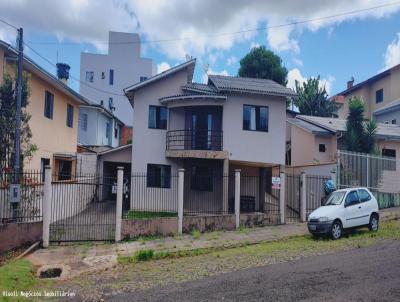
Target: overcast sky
335	48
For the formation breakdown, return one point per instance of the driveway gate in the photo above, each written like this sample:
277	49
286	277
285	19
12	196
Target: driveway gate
292	202
83	209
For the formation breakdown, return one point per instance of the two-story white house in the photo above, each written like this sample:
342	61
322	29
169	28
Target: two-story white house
98	126
209	130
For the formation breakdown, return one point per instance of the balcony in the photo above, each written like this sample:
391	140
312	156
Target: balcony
195	144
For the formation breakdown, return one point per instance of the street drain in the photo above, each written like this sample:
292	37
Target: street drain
51	273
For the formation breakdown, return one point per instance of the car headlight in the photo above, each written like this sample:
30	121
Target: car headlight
323	219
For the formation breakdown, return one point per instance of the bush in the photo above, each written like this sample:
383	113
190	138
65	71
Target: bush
144	255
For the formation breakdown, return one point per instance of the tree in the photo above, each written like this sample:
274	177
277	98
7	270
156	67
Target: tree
8	121
360	134
264	64
312	99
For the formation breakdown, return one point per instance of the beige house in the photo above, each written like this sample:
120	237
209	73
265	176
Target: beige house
315	140
54	109
381	94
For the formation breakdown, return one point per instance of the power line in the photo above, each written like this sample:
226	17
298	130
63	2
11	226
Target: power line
9	24
72	77
236	32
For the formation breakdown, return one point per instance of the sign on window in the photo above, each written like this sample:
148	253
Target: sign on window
276	182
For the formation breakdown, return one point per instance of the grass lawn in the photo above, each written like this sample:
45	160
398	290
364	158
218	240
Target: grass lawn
16	275
147	214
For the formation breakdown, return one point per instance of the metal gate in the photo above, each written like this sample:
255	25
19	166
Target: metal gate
292	202
83	208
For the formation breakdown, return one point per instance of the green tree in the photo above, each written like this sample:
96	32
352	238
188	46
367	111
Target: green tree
360	134
8	121
264	64
312	99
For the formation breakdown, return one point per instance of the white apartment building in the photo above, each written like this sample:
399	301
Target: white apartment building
106	75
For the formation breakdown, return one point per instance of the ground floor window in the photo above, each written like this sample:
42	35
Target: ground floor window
158	176
43	163
389	152
201	178
64	169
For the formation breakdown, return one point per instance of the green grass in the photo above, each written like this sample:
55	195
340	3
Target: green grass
147	214
285	247
195	234
16	275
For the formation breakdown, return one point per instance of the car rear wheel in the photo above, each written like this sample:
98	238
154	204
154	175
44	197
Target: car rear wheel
373	223
337	230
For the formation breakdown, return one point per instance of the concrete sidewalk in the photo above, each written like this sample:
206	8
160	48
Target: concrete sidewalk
80	258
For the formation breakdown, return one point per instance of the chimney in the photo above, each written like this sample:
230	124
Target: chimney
350	83
63	72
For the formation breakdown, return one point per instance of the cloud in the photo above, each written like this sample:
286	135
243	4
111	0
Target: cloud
231	60
295	74
163	66
297	62
392	54
254	45
211	71
202	26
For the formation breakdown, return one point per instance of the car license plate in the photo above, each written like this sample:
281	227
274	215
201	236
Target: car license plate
313	227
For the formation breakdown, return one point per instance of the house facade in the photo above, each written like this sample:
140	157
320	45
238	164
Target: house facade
209	130
104	76
381	94
315	140
98	127
54	109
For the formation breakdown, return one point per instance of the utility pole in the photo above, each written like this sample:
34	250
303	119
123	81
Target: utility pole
17	150
15	187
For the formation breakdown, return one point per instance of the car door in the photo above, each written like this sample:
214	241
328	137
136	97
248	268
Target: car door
352	210
366	205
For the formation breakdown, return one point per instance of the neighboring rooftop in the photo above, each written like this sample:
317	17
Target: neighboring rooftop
33	67
309	127
339	125
388	107
368	81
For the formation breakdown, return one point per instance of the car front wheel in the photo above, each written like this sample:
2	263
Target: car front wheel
373	223
337	230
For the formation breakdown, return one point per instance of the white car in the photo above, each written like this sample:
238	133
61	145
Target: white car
345	209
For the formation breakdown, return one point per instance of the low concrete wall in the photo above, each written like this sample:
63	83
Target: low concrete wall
13	235
146	227
169	226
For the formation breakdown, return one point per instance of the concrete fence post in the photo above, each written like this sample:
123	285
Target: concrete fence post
181	183
118	210
282	197
237	198
303	197
47	193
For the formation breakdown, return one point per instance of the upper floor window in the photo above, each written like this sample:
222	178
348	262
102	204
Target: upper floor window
111	77
70	115
111	104
379	96
103	75
89	76
394	122
321	148
143	78
158	176
255	118
116	131
48	104
157	117
108	129
83	121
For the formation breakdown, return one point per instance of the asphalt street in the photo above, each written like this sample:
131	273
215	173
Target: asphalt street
363	274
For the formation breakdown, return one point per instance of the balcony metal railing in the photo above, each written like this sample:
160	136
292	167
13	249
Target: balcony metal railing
194	140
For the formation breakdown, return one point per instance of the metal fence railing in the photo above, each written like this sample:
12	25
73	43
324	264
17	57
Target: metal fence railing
26	208
315	192
194	140
380	174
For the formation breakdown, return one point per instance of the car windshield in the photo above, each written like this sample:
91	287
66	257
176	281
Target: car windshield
335	198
